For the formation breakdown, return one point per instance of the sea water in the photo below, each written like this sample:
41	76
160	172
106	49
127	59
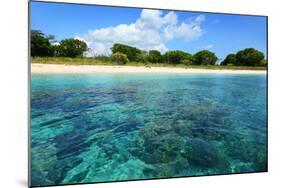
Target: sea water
111	127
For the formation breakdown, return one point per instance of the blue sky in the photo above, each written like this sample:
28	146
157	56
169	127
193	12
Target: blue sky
101	26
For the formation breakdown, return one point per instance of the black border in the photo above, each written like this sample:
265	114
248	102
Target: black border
118	6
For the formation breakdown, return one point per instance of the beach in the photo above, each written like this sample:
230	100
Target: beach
72	69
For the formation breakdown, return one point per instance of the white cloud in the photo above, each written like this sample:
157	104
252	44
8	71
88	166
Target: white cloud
153	19
209	46
161	47
206	47
81	39
55	43
150	31
199	19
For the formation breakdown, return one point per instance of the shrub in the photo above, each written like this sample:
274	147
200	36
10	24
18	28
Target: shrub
205	57
103	58
249	57
142	57
71	48
40	44
120	58
229	60
186	62
129	51
175	57
264	63
154	56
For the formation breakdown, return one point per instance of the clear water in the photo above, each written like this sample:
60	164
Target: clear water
109	127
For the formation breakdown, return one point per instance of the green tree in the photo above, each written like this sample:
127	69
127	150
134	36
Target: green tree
40	44
186	62
229	60
120	58
176	57
56	50
154	56
142	57
204	57
264	63
249	57
71	48
131	52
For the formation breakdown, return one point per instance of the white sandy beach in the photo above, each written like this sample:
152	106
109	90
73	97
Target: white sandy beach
71	69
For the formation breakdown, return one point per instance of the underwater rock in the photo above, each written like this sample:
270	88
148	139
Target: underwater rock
71	144
129	125
148	171
158	144
109	149
58	173
203	154
172	168
210	133
166	170
38	178
182	128
80	176
73	150
252	152
239	167
35	115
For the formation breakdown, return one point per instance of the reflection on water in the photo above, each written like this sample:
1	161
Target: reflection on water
109	127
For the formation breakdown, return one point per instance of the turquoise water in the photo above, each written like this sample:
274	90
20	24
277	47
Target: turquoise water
110	127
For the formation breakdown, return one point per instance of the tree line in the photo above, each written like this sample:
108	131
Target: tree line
246	57
41	45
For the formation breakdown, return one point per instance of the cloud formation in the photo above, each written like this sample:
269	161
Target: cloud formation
209	46
206	47
150	31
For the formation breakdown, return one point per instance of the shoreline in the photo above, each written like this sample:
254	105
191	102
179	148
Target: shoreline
37	68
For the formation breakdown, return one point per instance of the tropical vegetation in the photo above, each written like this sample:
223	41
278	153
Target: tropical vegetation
46	49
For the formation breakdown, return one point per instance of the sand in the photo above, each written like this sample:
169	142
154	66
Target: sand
72	69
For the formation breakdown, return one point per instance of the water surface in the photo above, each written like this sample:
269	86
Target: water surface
108	127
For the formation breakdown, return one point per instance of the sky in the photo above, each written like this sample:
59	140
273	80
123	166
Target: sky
102	26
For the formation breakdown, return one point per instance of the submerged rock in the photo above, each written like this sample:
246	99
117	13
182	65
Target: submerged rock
59	171
38	178
253	153
205	155
182	128
158	144
80	176
239	167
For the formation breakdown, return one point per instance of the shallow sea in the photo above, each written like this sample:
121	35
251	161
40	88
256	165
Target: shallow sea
109	127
